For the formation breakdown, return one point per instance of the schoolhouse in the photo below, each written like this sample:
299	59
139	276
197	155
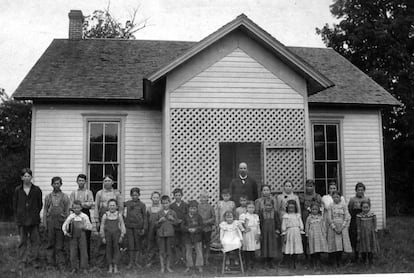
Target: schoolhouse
167	114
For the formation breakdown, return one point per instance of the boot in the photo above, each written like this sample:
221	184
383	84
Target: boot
206	254
364	257
294	261
355	258
162	264
370	259
338	258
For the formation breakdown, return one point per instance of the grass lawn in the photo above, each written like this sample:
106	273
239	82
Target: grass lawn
397	255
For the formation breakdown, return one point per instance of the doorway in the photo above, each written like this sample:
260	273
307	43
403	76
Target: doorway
231	154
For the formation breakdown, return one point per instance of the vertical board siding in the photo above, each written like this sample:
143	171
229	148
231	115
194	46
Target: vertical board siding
236	81
361	157
59	147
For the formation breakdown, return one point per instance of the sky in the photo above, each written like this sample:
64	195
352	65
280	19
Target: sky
27	27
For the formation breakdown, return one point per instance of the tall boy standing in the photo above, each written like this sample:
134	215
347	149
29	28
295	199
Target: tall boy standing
27	204
55	212
181	209
85	196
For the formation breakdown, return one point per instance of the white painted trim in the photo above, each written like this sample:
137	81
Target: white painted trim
166	141
308	143
33	139
384	203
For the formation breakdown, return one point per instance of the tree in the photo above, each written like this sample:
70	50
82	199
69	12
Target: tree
15	127
378	37
101	24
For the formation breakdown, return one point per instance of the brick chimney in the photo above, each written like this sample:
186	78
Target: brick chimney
75	24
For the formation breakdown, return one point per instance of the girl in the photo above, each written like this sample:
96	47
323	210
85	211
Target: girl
327	200
292	229
251	235
354	208
231	237
367	232
285	196
266	194
224	205
153	211
112	232
306	199
315	230
338	220
136	224
270	230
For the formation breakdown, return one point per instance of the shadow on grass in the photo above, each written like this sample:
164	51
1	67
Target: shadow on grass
396	256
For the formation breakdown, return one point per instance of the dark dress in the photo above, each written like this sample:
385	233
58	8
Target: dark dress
269	241
354	207
366	231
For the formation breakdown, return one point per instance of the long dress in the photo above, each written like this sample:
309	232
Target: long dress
269	240
354	207
292	226
339	216
252	222
366	229
315	230
230	236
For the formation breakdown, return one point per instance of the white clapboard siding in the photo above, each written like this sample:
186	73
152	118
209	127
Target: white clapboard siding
361	154
362	157
236	81
60	140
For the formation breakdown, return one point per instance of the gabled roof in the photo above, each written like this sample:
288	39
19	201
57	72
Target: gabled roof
114	70
316	80
96	69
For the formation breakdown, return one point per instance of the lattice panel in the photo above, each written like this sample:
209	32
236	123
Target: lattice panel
196	134
282	165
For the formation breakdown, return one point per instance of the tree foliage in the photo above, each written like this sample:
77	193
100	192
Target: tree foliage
101	24
378	37
15	127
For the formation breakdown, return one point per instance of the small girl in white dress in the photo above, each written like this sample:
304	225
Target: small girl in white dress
251	235
231	237
292	230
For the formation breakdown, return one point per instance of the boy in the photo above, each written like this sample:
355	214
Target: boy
136	224
75	227
243	206
27	204
85	196
192	227
55	211
208	215
181	209
166	220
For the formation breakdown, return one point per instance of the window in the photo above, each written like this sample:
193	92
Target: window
326	155
103	154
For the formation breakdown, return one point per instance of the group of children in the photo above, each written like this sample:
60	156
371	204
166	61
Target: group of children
269	225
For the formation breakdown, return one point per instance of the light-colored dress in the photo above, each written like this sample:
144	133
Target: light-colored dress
222	207
231	236
292	226
327	201
339	217
252	222
315	229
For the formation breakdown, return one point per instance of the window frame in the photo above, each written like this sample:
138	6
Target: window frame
339	160
105	118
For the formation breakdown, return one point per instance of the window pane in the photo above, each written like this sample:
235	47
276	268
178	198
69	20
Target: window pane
95	187
112	169
332	150
111	132
96	152
331	134
318	133
111	152
96	132
320	186
319	151
96	173
332	170
319	169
